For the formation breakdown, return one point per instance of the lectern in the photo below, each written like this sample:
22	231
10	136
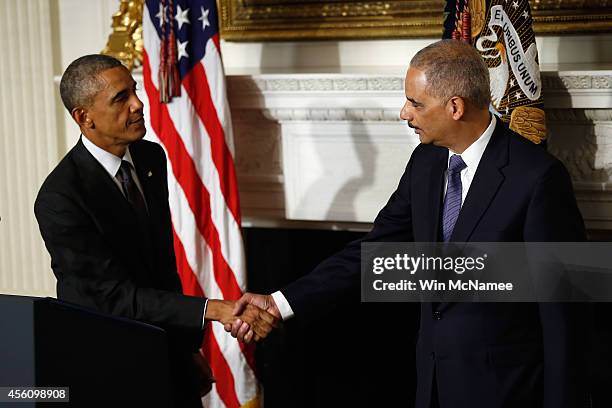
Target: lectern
104	360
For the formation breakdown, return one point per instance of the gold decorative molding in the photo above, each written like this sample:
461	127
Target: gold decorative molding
282	20
125	42
263	20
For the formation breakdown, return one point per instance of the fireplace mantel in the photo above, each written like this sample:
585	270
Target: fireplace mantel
330	147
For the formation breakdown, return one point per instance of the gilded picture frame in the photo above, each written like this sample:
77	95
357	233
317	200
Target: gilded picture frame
291	20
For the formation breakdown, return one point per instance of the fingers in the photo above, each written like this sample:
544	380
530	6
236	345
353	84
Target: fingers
268	318
243	331
260	321
235	327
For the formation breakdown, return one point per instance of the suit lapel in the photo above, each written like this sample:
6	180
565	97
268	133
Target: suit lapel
484	187
144	170
104	196
428	197
109	206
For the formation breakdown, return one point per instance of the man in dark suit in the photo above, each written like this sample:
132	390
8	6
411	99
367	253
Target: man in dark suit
104	216
470	179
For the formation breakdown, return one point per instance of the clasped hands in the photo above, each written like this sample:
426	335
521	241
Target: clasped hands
251	318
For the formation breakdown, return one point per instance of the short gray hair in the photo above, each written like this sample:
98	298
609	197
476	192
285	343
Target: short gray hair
454	68
80	81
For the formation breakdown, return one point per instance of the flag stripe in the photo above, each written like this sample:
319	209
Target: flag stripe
191	183
213	67
188	279
222	217
224	376
198	257
237	362
218	363
234	357
227	225
196	85
195	131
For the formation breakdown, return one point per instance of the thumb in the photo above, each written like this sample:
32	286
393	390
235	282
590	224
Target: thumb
241	304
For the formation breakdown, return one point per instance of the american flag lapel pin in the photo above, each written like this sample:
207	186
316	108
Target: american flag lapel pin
150	173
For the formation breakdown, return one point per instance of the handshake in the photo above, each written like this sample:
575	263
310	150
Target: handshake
250	318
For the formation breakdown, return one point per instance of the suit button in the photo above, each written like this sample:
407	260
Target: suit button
437	315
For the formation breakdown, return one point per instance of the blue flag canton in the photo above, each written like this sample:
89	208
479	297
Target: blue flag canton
194	23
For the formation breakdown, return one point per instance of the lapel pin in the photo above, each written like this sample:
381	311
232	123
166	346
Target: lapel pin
149	174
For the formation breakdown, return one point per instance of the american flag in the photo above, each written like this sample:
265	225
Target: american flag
195	131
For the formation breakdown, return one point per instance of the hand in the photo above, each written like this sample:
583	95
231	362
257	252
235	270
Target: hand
259	322
204	373
241	329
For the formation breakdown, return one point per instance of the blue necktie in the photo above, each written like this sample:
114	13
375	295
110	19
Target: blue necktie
452	201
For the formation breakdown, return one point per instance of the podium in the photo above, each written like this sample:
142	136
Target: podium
103	360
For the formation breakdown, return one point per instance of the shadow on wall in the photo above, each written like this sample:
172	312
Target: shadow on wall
367	153
345	163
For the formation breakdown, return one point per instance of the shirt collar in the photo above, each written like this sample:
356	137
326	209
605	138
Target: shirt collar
472	155
109	161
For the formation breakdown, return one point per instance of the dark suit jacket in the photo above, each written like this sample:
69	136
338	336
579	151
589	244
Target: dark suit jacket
103	258
483	354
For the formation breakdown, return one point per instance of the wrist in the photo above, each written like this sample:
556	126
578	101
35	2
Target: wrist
273	309
218	310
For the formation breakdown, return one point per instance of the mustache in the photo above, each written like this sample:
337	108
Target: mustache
410	125
136	119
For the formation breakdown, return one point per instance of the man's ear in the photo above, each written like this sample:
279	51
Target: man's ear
81	117
456	107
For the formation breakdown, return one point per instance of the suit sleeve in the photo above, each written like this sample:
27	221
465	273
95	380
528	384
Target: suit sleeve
88	273
553	216
338	277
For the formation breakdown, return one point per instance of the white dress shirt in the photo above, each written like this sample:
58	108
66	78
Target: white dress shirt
111	164
471	157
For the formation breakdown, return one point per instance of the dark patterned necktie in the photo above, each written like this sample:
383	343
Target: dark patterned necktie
131	191
452	201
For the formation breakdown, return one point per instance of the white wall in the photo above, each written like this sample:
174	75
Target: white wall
391	56
28	142
81	27
39	38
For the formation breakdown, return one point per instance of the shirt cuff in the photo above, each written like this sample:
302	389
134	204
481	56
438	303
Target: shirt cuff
204	315
283	306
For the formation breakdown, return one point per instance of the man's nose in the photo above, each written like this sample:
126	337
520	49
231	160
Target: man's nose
406	113
137	104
